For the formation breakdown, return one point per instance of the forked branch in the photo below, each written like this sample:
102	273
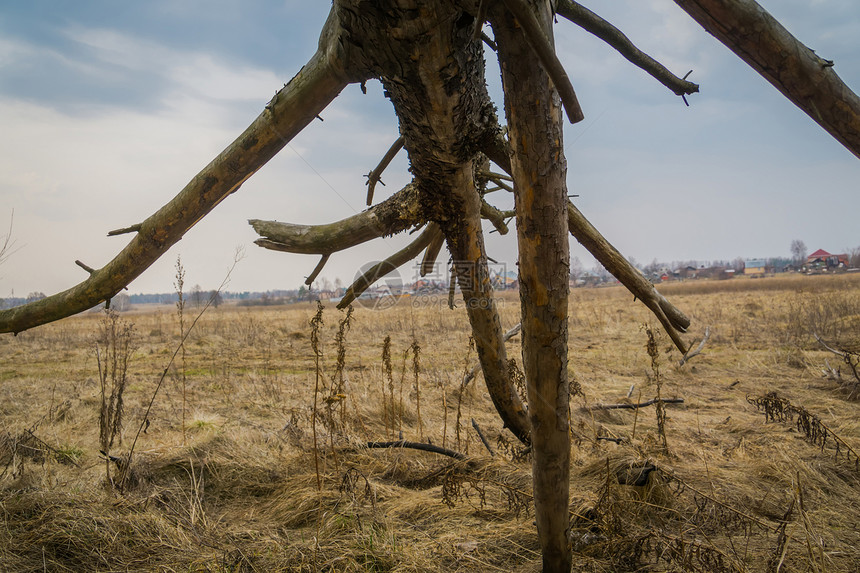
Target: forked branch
375	175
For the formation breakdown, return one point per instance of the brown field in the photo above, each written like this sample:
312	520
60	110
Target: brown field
235	487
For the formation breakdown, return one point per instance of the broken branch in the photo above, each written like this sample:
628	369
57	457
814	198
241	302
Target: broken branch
418	446
806	79
375	175
430	255
317	270
672	319
132	229
395	214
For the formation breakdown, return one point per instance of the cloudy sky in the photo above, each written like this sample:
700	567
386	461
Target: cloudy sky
109	108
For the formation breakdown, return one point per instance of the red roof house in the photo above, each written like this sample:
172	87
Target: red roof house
824	258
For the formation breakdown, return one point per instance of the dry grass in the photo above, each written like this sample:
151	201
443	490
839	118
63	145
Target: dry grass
735	492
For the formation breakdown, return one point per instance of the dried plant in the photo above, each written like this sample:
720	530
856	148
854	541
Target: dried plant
315	324
779	409
338	388
416	371
180	313
387	401
463	391
659	407
114	348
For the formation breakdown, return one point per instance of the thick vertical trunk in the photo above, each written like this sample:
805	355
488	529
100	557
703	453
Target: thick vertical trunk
539	169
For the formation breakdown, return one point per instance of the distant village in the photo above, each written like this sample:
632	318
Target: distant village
436	286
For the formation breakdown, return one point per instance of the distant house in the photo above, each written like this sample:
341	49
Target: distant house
719	273
755	267
823	259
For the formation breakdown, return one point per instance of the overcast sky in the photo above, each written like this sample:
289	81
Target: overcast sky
109	108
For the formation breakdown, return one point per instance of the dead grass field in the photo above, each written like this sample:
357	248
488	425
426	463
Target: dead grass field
735	491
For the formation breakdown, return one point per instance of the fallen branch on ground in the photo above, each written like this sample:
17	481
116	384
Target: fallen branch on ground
418	446
626	406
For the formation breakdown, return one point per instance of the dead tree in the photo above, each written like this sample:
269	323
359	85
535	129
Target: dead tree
430	58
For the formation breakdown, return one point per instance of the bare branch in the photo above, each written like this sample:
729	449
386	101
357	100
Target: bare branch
483	439
395	214
396	260
698	350
292	108
495	216
594	24
430	255
375	175
131	229
806	79
317	270
546	53
672	319
86	267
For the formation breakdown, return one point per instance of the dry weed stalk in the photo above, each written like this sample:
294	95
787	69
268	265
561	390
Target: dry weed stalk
416	370
180	313
660	407
779	409
400	408
387	401
315	324
338	389
463	390
113	352
144	423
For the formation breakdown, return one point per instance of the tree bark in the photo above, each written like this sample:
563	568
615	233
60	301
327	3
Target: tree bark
802	76
292	108
539	171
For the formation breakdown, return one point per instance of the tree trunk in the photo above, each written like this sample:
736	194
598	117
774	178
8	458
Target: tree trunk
539	170
466	242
